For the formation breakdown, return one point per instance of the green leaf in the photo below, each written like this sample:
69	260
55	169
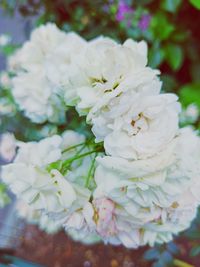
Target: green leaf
155	59
169	83
178	36
195	251
54	165
174	56
193	234
173	248
4	198
156	55
171	5
195	3
152	254
166	257
8	49
41	20
190	93
2	188
161	27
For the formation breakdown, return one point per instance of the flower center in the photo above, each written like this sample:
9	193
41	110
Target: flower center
137	124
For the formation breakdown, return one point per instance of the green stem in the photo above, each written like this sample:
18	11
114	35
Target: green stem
180	263
80	150
81	156
72	147
87	142
69	161
87	182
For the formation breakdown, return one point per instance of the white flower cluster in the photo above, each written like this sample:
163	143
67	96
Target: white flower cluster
37	217
7	147
5	39
33	91
140	182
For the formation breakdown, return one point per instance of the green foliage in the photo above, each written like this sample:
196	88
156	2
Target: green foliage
161	27
195	3
190	93
4	198
171	5
174	56
162	256
156	55
195	251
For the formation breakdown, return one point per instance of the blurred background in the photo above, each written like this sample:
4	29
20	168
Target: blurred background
171	29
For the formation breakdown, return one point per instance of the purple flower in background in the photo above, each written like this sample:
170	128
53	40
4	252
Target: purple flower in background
144	22
123	10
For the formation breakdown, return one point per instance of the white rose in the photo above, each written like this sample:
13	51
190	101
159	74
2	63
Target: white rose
135	125
114	225
81	219
33	93
172	220
38	188
104	64
60	65
43	41
134	183
159	180
80	225
32	90
36	217
26	212
40	153
48	225
30	178
35	191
